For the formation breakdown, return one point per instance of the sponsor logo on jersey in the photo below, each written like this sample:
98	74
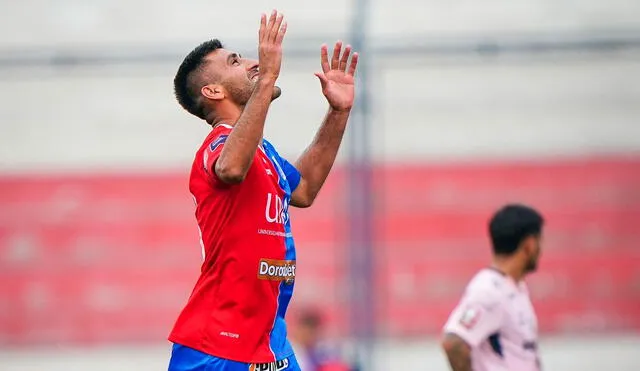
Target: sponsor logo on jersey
277	270
273	366
230	334
276	210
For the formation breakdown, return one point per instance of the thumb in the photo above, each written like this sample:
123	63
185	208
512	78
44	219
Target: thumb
322	78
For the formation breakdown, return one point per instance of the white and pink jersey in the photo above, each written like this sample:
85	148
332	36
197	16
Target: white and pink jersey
496	318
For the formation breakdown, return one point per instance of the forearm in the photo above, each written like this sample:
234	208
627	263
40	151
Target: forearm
317	160
458	353
240	147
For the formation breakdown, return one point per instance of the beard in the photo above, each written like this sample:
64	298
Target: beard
532	265
241	94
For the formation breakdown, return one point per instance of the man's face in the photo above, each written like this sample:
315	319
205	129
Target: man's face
237	75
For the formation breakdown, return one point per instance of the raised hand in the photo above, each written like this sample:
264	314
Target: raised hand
337	78
270	45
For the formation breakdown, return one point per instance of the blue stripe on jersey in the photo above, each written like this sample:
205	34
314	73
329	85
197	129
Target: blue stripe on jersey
221	139
279	343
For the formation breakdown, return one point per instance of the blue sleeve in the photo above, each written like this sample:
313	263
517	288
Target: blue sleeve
292	174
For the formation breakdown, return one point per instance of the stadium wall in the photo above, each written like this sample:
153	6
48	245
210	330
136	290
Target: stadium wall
97	239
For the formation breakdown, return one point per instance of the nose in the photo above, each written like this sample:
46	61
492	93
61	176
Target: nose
251	64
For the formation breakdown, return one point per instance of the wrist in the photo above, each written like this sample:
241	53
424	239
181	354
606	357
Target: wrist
266	81
340	111
337	118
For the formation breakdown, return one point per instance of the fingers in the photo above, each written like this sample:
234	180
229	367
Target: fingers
336	55
354	63
339	59
322	78
345	58
281	32
324	58
263	27
270	25
275	30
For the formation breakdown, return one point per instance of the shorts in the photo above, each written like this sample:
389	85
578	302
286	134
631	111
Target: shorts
188	359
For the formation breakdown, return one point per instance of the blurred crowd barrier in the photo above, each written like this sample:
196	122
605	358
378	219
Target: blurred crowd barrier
108	258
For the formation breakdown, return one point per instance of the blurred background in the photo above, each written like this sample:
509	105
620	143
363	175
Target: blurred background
463	106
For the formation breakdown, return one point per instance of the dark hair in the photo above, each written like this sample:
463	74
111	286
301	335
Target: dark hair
183	85
510	225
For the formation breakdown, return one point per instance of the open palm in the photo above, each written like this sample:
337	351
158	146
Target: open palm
336	79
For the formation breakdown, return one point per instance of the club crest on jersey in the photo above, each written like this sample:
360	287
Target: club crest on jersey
277	270
470	317
273	366
276	209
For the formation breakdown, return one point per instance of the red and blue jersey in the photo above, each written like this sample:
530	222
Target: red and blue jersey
237	308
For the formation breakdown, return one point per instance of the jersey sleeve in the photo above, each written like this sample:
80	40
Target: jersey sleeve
211	153
477	317
290	172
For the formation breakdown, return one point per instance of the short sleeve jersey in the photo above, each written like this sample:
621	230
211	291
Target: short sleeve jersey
237	308
496	318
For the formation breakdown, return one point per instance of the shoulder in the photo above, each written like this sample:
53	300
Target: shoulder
270	146
486	287
219	131
270	151
216	137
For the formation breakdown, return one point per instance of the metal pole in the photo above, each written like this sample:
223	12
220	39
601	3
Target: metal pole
360	275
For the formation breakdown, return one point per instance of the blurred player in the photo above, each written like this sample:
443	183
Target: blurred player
494	327
234	318
312	353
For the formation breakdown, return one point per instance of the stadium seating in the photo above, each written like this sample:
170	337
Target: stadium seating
98	257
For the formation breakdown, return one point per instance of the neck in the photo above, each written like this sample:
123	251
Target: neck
228	114
509	267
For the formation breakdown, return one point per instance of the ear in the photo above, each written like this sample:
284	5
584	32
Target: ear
213	92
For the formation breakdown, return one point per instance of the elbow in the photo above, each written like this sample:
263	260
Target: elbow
458	352
451	344
446	344
302	203
230	174
307	201
305	204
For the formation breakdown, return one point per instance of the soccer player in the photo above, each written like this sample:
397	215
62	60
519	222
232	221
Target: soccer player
494	327
235	316
312	351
